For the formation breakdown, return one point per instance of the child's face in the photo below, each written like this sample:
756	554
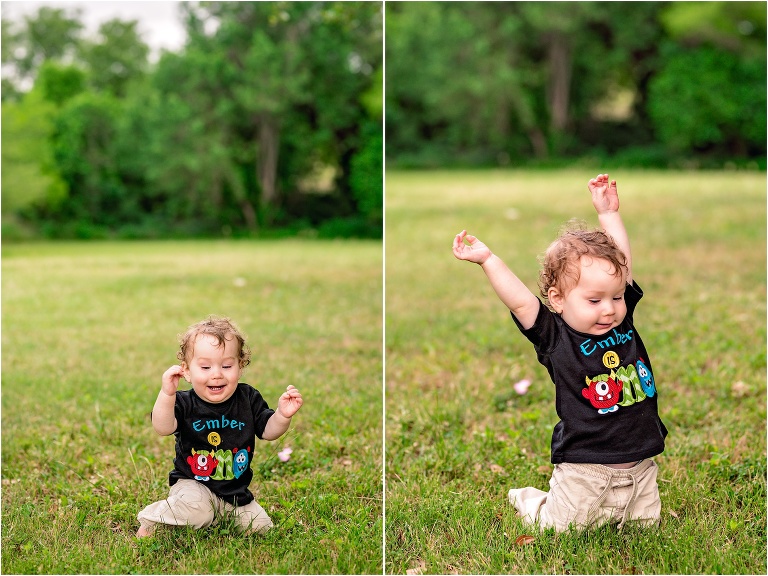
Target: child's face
214	370
596	303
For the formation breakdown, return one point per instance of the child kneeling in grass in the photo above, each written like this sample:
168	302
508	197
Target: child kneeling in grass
605	392
215	424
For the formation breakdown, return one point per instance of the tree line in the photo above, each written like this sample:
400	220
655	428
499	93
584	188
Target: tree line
267	121
656	84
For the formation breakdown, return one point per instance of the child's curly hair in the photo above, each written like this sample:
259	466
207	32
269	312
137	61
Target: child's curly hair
560	263
222	329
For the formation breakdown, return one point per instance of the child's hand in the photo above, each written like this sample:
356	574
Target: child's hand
605	196
476	252
289	402
171	379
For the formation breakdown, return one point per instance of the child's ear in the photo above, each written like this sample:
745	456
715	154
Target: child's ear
555	299
185	371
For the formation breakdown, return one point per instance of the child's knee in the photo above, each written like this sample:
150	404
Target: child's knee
197	513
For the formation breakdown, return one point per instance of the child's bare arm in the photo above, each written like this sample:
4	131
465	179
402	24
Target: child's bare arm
508	287
287	405
605	199
163	414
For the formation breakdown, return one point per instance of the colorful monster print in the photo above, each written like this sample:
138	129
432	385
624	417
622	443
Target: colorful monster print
202	465
240	463
603	395
646	378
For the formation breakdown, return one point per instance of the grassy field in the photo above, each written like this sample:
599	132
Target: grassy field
458	436
87	331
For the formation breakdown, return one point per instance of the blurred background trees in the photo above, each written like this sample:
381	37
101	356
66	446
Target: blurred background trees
268	121
662	84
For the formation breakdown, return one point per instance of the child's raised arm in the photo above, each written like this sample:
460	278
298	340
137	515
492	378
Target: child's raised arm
163	414
508	287
605	199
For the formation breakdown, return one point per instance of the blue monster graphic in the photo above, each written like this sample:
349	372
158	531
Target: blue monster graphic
646	378
240	463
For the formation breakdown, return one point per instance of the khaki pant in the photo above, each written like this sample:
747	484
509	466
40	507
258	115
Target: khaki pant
190	503
583	495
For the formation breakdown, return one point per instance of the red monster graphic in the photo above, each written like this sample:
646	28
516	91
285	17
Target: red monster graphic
202	465
603	395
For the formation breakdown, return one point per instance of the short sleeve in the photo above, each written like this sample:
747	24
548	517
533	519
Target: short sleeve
183	407
632	296
260	410
544	333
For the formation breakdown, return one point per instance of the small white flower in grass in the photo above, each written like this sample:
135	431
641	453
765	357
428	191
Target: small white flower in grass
285	454
522	386
239	282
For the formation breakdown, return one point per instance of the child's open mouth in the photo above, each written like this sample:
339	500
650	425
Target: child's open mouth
215	388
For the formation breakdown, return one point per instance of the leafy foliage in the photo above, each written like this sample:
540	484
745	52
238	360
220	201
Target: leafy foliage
220	138
30	175
695	116
500	83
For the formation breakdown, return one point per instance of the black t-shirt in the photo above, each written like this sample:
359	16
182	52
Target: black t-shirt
605	392
214	442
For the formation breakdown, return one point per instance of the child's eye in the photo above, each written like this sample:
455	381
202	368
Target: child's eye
227	367
619	298
593	301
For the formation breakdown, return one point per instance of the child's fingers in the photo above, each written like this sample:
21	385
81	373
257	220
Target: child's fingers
292	393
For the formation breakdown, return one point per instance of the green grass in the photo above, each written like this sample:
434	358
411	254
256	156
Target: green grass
457	435
87	331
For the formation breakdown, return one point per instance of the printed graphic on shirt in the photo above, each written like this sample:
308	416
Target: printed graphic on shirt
646	378
603	394
622	387
219	464
615	338
202	464
241	462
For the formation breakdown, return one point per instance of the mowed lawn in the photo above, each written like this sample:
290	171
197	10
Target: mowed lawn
87	331
458	436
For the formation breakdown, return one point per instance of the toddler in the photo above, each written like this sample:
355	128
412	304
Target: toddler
215	424
605	392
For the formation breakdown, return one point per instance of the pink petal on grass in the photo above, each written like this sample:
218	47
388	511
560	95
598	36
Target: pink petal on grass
522	386
284	454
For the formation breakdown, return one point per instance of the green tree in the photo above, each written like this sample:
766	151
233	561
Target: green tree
229	134
29	172
721	108
86	128
274	88
117	57
58	83
709	93
50	34
498	82
367	165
